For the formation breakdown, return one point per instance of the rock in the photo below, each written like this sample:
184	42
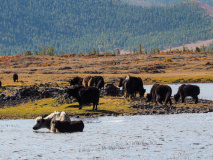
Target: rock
87	114
64	68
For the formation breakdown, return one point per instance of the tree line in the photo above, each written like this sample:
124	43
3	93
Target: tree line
78	26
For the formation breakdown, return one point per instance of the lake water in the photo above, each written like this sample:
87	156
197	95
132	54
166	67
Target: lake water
180	136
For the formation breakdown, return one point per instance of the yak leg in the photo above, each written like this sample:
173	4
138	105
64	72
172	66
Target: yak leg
158	99
196	99
80	106
95	107
168	100
183	99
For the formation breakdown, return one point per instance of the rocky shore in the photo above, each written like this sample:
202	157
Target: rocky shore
15	98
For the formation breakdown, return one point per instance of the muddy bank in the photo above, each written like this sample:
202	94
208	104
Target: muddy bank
204	106
25	95
13	97
112	103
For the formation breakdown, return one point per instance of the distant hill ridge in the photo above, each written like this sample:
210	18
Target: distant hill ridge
79	26
206	7
163	2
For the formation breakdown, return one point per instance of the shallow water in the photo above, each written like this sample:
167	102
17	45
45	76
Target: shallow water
180	136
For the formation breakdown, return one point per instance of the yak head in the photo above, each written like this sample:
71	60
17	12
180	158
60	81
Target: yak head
142	92
176	97
40	123
148	97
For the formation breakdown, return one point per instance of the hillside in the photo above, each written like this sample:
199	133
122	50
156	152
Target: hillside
79	26
162	2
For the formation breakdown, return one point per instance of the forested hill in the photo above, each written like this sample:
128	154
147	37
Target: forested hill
80	26
163	2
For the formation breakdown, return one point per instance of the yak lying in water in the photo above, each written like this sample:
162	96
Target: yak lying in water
47	121
73	126
187	90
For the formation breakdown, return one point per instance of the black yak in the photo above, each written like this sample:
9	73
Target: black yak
187	90
132	86
15	77
160	93
76	81
73	126
0	83
152	96
139	86
85	95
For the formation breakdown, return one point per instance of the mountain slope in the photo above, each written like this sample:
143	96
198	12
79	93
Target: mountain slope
162	2
206	7
80	26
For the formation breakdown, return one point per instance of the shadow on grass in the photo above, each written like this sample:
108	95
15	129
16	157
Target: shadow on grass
103	112
73	106
93	111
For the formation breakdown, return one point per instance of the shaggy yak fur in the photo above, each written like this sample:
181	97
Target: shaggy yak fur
0	83
86	81
15	77
96	81
160	93
132	86
85	95
93	81
73	126
76	81
187	90
47	121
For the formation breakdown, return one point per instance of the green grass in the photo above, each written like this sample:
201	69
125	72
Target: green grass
108	105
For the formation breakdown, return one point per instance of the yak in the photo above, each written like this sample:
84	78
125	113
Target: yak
47	121
187	90
160	93
76	81
15	77
132	86
73	126
85	95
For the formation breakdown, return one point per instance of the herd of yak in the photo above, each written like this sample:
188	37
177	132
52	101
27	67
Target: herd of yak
87	90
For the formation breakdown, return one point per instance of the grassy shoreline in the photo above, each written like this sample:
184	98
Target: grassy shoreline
55	71
107	106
